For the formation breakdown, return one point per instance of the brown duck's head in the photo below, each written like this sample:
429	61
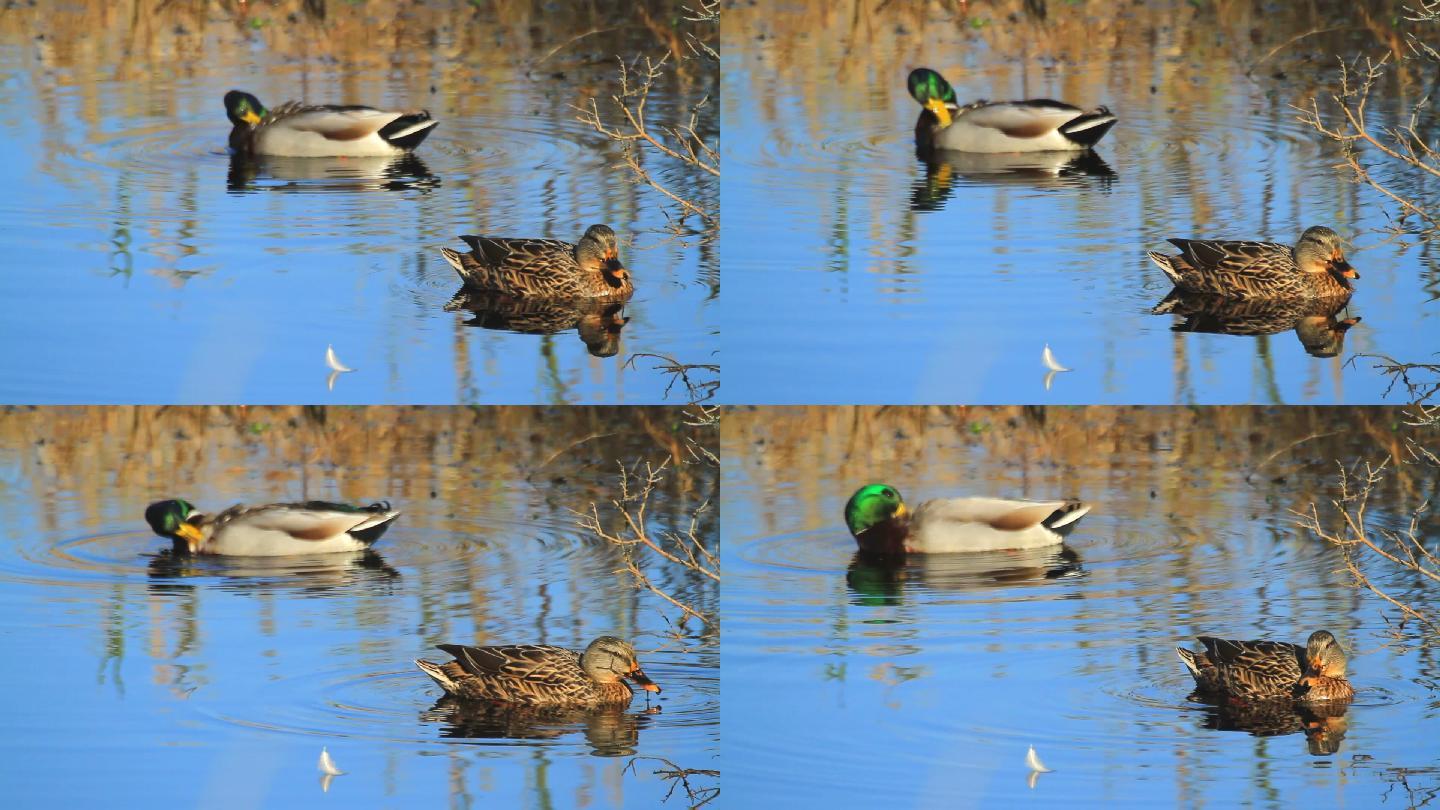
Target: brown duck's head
609	659
177	520
599	252
1323	655
1319	251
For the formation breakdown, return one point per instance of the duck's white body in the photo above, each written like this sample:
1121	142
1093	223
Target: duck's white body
278	531
335	132
1023	126
990	524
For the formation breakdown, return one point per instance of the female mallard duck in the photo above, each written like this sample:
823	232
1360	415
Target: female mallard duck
1036	125
882	524
313	527
544	268
1260	670
1251	271
308	130
538	675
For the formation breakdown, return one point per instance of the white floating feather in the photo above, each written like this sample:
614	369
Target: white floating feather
335	365
1048	358
327	765
1032	760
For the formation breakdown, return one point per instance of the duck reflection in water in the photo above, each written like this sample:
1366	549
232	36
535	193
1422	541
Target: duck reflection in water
610	731
944	170
1315	323
268	173
307	573
1323	724
598	322
876	580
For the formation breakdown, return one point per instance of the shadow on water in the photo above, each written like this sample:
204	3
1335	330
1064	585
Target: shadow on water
611	731
1313	321
597	323
945	169
309	575
875	580
1323	724
265	173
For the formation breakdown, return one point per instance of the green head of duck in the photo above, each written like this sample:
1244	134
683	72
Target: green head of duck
873	505
170	518
933	92
244	109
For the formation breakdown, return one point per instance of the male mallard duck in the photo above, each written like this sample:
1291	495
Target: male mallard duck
313	527
1243	271
310	130
882	524
544	268
1036	125
1260	670
538	675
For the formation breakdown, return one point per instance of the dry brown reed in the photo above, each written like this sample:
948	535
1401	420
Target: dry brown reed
687	550
330	452
1401	143
681	143
698	795
1371	550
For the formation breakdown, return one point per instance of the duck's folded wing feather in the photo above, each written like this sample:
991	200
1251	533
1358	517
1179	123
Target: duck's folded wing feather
525	662
305	524
1266	660
997	513
1227	254
338	123
1023	119
513	253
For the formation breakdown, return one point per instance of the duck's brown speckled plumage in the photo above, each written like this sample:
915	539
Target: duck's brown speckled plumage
1264	670
541	675
1238	270
544	268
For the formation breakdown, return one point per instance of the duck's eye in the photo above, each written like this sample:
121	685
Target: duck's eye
887	492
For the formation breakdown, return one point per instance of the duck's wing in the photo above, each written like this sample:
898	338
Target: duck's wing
1255	667
517	254
521	672
336	122
1024	119
312	520
1234	255
1000	514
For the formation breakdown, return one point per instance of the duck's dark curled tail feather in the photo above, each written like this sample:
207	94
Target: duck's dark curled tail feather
408	131
1062	520
1088	129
